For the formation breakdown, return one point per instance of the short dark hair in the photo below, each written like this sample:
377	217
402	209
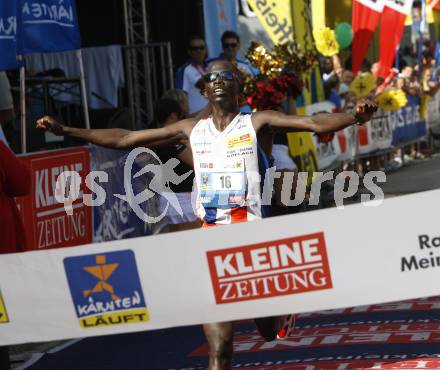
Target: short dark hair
164	108
230	35
195	37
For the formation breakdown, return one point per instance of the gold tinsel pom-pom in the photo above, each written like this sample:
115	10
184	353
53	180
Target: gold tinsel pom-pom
363	84
295	58
261	58
392	100
326	43
281	58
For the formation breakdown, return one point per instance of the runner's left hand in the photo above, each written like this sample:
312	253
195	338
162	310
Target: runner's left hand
365	109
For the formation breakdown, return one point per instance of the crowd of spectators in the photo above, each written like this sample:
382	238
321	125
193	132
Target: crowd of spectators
421	81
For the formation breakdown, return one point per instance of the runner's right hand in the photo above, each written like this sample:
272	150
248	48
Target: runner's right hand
50	124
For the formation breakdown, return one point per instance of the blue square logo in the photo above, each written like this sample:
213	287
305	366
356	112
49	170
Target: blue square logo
106	289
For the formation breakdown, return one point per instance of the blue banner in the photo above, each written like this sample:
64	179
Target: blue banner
406	123
437	54
49	25
8	35
220	16
115	219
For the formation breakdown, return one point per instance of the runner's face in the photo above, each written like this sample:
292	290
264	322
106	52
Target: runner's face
221	88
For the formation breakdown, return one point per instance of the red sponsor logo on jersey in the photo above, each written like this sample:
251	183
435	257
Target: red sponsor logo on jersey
270	269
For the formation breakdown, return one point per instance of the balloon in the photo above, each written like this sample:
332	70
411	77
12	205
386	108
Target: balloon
344	34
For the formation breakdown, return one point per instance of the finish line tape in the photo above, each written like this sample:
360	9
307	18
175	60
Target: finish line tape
299	263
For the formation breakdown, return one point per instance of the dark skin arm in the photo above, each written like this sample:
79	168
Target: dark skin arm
186	157
123	139
319	123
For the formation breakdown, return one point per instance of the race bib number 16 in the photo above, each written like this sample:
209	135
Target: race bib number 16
223	187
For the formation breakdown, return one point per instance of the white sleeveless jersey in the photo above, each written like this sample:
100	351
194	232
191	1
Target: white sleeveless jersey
229	170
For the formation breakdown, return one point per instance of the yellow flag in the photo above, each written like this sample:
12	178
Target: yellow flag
303	151
288	21
3	313
275	16
314	90
318	14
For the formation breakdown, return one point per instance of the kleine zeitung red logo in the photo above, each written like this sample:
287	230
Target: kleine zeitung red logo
275	268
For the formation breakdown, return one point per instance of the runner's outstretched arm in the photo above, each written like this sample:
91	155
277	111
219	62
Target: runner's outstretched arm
319	123
119	138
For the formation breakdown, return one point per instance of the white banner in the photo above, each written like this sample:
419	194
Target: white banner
401	6
326	261
376	5
381	130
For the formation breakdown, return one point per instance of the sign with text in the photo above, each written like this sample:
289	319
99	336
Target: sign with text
288	266
8	35
406	123
49	25
299	263
48	224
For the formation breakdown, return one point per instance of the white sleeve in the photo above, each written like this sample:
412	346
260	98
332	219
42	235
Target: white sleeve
190	78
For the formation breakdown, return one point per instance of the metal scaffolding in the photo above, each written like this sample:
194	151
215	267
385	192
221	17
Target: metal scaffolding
148	66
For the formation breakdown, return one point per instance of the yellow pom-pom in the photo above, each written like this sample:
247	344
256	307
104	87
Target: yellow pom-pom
326	43
363	84
392	100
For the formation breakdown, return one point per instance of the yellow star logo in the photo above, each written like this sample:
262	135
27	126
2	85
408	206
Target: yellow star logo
102	271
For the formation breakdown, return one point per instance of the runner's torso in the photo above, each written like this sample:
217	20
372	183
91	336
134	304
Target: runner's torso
229	168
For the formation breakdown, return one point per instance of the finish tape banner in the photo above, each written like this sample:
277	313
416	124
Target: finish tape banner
214	276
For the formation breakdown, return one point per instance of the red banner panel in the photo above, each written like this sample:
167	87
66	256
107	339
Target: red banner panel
46	221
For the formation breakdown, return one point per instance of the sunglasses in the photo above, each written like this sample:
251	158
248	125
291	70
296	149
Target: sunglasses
230	45
224	75
195	48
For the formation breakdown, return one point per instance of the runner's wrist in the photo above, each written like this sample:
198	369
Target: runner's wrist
357	120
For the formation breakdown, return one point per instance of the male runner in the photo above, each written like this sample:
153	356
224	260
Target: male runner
226	159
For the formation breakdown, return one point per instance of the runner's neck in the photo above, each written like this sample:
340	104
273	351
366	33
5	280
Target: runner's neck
222	118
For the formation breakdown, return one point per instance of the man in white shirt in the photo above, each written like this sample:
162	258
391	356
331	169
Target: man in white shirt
189	76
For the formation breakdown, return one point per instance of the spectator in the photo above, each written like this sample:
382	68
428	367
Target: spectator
375	69
327	69
180	97
347	77
189	76
15	180
429	86
331	89
413	87
407	72
7	113
231	45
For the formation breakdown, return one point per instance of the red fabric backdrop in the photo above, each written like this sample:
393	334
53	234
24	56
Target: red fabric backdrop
364	23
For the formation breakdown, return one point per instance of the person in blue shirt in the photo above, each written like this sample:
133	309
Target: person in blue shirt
331	88
231	46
